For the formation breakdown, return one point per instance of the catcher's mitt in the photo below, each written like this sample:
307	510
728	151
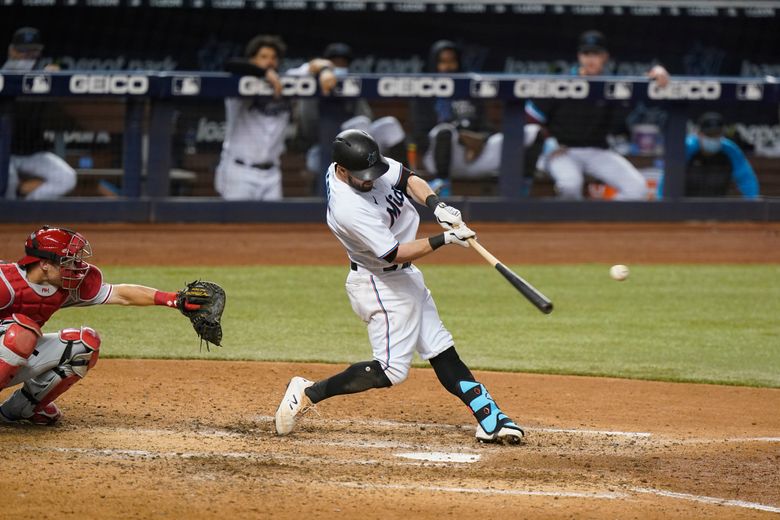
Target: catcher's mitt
203	303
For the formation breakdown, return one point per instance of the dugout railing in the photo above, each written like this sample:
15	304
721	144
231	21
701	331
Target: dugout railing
150	100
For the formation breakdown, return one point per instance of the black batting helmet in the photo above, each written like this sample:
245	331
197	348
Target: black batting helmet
357	151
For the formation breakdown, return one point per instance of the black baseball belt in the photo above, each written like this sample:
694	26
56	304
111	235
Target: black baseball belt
394	267
256	166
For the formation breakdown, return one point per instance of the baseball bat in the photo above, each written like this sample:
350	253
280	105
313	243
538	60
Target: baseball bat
539	300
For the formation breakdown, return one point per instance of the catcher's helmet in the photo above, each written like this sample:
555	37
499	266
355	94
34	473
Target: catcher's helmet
357	151
64	247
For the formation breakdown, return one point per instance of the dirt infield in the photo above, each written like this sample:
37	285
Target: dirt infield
284	244
194	439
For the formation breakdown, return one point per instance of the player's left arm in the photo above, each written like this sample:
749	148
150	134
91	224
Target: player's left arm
742	173
447	216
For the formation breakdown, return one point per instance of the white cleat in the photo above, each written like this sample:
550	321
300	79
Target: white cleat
293	403
506	433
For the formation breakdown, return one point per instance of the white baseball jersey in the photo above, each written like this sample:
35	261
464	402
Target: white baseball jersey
371	225
255	130
392	300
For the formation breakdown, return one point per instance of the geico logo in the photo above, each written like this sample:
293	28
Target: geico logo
552	88
291	86
419	87
114	84
685	90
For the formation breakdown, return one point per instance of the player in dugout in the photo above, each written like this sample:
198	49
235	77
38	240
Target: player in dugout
714	163
578	131
34	173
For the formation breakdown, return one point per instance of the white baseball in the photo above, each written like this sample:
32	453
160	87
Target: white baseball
618	272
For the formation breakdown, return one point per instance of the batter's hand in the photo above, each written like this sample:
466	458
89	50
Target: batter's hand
459	235
447	216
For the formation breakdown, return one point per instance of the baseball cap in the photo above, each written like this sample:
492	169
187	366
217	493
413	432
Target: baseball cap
592	41
710	123
338	50
27	39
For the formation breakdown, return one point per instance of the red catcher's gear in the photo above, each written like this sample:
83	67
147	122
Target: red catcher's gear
64	247
24	300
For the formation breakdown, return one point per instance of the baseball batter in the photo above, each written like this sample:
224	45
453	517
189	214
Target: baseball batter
255	128
371	214
53	275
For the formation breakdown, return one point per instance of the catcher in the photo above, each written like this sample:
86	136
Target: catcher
54	274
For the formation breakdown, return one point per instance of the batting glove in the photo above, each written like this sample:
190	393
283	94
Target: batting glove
447	216
459	235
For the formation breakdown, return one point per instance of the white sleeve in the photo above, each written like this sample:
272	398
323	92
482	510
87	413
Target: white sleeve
300	70
102	296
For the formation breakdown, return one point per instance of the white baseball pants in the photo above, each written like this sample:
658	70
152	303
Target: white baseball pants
568	169
57	175
401	317
237	181
486	164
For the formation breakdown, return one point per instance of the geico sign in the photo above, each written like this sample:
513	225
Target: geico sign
291	86
552	88
692	89
416	87
113	84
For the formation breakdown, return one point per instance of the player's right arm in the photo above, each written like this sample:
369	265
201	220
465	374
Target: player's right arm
129	294
421	247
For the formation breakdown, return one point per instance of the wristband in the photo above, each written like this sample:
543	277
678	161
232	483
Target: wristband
436	241
432	201
165	298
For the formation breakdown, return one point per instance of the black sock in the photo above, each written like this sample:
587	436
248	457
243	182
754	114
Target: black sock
456	377
451	371
357	378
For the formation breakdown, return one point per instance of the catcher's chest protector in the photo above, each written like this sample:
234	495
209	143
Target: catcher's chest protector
24	299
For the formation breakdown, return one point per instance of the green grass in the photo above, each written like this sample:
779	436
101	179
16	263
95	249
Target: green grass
718	324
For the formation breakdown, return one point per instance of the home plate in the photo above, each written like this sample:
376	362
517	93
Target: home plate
440	456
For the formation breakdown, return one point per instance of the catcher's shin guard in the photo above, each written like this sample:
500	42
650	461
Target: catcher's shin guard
34	401
18	337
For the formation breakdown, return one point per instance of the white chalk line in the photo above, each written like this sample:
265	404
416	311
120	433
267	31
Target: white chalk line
467	427
222	433
708	500
258	457
356	444
605	433
744	440
122	453
483	491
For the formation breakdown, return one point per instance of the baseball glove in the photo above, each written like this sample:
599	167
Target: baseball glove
203	303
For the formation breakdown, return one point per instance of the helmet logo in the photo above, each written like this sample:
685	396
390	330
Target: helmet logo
371	158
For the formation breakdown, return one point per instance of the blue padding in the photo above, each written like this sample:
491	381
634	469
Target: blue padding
465	386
